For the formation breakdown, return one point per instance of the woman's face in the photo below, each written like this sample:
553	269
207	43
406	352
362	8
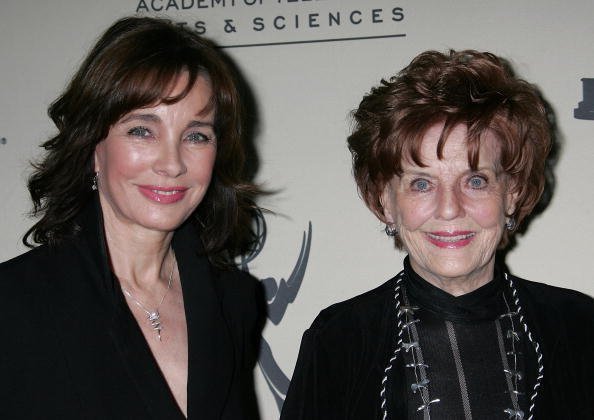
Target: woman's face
449	217
156	163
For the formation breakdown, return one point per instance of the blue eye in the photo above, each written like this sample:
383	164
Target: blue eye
477	182
420	185
197	137
140	132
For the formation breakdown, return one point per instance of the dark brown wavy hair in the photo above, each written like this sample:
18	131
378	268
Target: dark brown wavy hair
477	89
133	65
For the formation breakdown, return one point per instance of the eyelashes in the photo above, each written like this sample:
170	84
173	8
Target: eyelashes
478	182
474	182
420	184
193	137
198	137
140	131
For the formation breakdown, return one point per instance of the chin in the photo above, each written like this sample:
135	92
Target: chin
457	268
163	224
452	272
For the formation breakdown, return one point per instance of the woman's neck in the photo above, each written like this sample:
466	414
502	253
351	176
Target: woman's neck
140	258
458	285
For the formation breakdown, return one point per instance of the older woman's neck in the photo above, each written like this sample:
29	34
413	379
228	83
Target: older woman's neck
457	285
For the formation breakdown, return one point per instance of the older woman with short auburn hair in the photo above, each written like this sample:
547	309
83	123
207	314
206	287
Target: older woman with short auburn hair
130	307
450	154
391	121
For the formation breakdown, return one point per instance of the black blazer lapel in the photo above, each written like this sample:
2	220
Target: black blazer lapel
210	346
97	309
92	299
142	366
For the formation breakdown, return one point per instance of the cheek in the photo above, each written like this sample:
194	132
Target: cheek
487	214
200	165
126	161
413	213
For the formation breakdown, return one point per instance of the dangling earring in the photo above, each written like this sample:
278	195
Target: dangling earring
391	230
510	224
94	182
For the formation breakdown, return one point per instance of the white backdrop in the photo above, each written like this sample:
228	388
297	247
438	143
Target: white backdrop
304	92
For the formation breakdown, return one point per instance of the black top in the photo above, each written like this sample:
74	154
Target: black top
480	305
345	352
71	348
472	359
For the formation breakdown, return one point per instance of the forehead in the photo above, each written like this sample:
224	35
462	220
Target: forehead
181	97
199	95
455	148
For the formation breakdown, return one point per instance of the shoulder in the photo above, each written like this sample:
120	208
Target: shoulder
343	354
558	314
38	278
24	262
38	265
555	298
234	289
363	312
28	283
236	285
21	278
241	295
27	270
244	309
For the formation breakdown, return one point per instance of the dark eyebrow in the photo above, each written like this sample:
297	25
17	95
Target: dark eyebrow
141	117
156	119
201	124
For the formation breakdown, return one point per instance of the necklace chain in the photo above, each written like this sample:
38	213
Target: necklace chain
154	317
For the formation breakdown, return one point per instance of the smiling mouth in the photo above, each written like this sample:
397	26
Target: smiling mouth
163	195
450	238
169	192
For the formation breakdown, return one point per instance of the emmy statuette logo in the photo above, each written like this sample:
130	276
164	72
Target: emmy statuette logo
279	294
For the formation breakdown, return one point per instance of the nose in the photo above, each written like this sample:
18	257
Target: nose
170	161
449	204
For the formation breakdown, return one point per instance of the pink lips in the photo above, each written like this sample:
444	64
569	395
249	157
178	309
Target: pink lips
456	239
163	195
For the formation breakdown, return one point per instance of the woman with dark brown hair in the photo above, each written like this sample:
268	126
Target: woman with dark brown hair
130	307
450	154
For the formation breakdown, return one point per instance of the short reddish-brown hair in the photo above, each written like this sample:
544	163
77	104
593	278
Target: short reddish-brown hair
477	89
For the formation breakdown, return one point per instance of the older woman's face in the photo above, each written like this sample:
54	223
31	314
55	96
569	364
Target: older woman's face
156	163
449	217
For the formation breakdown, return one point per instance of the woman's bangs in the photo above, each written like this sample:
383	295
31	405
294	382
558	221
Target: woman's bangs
150	87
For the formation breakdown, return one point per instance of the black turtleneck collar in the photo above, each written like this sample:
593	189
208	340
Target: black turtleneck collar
482	304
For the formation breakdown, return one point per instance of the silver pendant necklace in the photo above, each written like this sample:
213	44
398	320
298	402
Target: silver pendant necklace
154	317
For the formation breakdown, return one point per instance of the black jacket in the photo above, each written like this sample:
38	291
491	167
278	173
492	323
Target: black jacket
343	356
71	349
